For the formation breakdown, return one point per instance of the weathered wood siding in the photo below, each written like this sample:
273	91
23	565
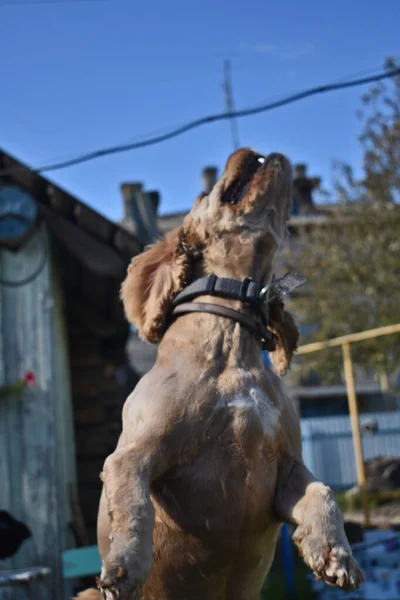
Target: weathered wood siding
36	438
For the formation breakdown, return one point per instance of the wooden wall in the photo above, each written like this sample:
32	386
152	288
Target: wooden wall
36	438
101	378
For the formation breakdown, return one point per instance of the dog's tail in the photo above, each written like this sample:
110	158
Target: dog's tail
89	594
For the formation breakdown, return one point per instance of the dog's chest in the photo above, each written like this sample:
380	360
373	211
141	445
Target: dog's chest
253	413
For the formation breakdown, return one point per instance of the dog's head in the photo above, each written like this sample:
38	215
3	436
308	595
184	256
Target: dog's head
234	231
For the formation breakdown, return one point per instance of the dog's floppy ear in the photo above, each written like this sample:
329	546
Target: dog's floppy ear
282	324
154	278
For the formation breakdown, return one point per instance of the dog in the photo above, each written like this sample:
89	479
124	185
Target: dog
12	534
209	463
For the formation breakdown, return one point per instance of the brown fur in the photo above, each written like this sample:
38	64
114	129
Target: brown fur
284	327
154	278
89	594
209	462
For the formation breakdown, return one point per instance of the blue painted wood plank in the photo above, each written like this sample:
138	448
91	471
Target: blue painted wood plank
81	562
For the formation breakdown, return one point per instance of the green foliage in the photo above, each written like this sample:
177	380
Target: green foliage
381	139
353	262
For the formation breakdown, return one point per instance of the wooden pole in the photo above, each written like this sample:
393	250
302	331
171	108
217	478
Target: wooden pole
355	428
229	104
384	381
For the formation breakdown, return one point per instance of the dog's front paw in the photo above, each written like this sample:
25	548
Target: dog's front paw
116	583
122	574
330	559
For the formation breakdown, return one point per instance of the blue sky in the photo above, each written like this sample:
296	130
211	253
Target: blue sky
88	74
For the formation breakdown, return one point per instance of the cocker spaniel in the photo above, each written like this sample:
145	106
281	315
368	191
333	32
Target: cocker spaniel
209	463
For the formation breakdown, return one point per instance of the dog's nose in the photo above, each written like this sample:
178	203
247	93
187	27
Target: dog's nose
276	157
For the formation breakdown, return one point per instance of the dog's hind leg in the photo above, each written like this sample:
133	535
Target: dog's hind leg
320	536
89	594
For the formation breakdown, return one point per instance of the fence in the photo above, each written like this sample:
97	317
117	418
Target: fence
328	447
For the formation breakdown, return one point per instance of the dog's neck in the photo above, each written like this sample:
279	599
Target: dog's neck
213	338
238	258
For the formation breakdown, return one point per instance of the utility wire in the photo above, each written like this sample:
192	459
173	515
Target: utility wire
210	119
363	73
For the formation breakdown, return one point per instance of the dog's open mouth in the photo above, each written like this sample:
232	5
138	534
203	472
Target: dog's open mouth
240	185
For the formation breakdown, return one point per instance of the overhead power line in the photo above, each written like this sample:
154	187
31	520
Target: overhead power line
158	139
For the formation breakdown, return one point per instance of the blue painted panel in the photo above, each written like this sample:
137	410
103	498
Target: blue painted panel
266	358
328	446
81	562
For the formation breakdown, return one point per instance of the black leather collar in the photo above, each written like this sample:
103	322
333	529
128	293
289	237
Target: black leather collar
247	291
267	338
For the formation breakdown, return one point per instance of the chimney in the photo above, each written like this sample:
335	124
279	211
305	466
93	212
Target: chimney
154	198
130	190
303	187
140	212
300	171
209	176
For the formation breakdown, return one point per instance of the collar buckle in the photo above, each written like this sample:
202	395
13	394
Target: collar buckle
278	288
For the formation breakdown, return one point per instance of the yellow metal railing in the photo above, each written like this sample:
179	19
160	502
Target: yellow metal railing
345	341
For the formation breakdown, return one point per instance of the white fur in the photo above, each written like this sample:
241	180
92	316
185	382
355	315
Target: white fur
257	401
